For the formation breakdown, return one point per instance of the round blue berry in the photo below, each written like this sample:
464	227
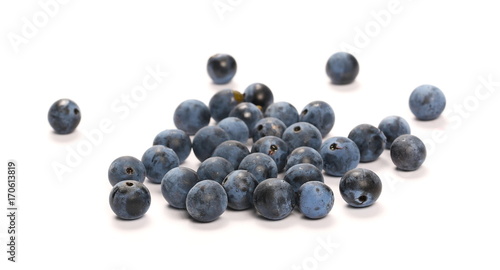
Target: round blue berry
259	94
360	187
408	152
206	140
268	126
214	168
239	186
64	116
320	114
206	201
299	174
302	134
126	168
284	111
339	155
176	140
315	199
393	127
129	199
158	160
304	154
233	151
223	102
342	68
176	184
427	102
191	115
235	128
274	147
260	165
221	68
370	141
274	199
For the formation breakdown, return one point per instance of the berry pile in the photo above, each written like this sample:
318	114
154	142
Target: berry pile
240	176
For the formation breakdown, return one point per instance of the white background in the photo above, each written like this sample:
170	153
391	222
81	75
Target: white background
97	53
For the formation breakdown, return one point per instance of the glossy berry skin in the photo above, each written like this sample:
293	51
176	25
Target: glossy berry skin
158	160
299	174
206	140
284	111
340	154
247	112
320	114
260	165
370	141
176	140
239	186
191	115
342	68
232	151
304	154
393	127
408	152
176	184
206	201
274	199
129	199
214	168
235	128
126	168
427	102
268	126
223	102
315	199
302	134
221	68
259	94
360	187
64	116
274	147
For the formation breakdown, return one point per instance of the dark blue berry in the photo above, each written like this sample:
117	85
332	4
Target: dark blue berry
214	168
274	199
223	102
315	199
64	116
129	199
408	152
233	151
370	141
393	127
320	114
235	128
206	201
126	168
260	165
158	160
268	126
176	140
206	140
304	154
342	68
176	184
360	187
427	102
239	186
259	94
221	68
191	115
339	155
284	111
248	112
299	174
302	134
274	147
